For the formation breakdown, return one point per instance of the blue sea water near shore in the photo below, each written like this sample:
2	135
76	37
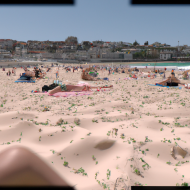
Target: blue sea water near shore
169	66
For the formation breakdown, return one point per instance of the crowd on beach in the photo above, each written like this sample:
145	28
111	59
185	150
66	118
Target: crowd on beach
134	73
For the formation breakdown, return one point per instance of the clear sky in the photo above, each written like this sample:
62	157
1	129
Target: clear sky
89	20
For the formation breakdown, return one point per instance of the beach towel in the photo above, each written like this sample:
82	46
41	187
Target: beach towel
179	87
66	94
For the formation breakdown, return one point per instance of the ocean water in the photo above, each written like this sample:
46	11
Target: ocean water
183	64
169	66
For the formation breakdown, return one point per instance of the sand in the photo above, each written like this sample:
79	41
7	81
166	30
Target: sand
124	137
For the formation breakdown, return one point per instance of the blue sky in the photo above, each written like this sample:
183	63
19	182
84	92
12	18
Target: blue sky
107	20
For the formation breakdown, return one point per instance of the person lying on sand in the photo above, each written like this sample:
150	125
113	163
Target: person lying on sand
74	88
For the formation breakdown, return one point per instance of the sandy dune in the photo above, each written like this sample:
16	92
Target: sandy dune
128	130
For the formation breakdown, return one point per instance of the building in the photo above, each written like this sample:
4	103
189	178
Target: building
5	54
117	55
6	43
132	51
165	55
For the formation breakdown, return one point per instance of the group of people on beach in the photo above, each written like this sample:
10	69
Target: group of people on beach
9	72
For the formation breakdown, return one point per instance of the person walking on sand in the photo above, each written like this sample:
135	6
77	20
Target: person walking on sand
57	74
9	73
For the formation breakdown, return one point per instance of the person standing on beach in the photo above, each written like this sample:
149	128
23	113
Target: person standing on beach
173	72
14	71
109	71
57	74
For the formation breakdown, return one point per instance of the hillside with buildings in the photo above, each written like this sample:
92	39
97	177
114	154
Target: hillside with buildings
86	51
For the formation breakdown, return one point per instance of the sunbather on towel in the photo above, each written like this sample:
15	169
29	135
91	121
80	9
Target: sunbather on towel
73	88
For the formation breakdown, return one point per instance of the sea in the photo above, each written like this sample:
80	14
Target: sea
170	66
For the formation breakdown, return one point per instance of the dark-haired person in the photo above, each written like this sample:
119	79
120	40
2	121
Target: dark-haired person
173	72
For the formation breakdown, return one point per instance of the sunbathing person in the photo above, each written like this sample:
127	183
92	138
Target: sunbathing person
74	88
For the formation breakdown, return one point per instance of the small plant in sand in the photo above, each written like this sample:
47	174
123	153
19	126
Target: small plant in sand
80	170
93	157
65	164
77	121
39	138
108	174
94	120
96	174
109	132
122	136
184	184
147	140
169	163
136	171
60	121
138	184
19	140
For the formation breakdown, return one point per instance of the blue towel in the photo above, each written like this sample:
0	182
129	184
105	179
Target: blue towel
166	86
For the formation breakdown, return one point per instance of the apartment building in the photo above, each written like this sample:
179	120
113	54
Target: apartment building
117	55
6	43
166	55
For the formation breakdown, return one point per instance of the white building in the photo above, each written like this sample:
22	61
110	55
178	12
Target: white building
116	55
166	55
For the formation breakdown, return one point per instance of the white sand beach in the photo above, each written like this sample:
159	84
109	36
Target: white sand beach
126	133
